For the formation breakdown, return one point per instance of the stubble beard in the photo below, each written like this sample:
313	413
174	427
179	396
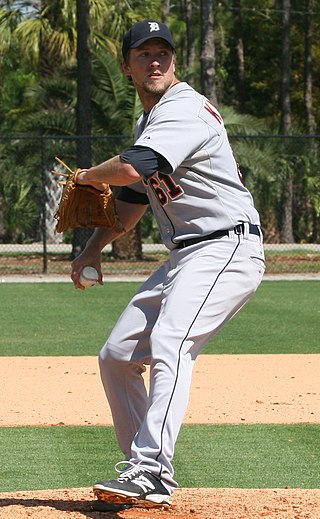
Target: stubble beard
155	89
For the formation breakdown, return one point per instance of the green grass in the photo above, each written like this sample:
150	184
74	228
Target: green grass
56	319
249	456
231	456
282	317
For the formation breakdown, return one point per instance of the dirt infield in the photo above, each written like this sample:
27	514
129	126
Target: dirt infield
192	503
226	389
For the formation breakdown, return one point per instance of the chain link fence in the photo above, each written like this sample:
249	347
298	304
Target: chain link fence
29	196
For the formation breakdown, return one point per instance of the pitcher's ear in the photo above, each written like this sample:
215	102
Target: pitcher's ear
125	68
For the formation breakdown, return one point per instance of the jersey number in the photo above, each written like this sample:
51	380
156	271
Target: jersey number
165	188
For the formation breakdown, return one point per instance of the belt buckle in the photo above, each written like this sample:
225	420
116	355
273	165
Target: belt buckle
239	229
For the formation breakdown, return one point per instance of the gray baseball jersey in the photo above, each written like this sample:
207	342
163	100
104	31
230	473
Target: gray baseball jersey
205	192
195	292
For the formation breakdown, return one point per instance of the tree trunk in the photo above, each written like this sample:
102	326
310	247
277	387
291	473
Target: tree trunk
308	69
165	9
311	125
191	48
128	247
84	118
286	68
287	191
2	228
239	48
207	59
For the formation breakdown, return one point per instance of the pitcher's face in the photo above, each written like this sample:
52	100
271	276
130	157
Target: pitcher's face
151	67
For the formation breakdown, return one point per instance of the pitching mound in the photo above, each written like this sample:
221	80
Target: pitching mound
188	503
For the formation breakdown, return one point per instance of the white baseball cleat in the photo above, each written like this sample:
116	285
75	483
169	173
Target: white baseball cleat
135	486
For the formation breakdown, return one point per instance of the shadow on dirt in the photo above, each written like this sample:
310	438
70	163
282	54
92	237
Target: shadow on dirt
92	509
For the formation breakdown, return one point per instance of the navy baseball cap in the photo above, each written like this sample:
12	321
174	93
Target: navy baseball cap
143	31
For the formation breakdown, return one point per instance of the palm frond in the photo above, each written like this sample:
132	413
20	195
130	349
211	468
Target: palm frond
243	124
29	32
63	42
50	123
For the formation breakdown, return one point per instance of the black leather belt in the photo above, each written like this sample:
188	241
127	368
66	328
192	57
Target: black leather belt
238	229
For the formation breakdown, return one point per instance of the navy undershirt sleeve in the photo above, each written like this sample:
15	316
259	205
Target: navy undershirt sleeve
145	161
126	194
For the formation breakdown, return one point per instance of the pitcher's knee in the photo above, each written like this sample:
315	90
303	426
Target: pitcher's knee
109	352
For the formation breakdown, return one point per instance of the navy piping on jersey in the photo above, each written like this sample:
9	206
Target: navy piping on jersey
182	343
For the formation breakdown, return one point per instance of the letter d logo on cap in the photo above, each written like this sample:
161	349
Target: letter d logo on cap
154	26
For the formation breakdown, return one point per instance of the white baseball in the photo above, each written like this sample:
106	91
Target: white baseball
88	277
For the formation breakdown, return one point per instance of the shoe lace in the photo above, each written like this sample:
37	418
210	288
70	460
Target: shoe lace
128	473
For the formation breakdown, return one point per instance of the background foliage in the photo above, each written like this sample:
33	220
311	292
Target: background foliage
38	97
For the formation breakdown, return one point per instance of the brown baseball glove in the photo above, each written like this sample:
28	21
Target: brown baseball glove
85	206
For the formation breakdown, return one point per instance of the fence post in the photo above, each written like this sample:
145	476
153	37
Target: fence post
44	210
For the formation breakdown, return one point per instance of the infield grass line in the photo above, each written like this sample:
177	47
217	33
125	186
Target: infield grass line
214	456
